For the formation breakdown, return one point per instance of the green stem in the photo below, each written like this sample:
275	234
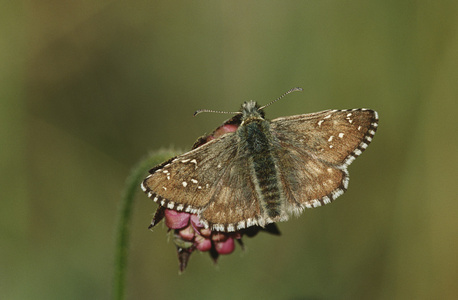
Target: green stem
124	219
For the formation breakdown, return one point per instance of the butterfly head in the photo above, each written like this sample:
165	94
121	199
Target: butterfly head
250	109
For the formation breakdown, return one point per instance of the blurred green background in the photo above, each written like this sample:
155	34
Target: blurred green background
89	88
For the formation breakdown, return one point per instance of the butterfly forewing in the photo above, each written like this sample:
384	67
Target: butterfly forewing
333	136
187	182
214	184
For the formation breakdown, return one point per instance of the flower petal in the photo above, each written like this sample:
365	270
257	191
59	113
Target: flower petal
203	244
175	219
225	247
224	129
187	233
196	222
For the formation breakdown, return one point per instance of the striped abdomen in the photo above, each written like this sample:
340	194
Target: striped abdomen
256	142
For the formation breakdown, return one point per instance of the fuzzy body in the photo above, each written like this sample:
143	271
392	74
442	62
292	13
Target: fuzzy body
256	143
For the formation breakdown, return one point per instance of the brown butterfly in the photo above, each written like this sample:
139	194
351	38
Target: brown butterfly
265	170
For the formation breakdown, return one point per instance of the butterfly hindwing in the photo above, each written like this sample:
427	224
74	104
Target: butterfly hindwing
309	182
234	203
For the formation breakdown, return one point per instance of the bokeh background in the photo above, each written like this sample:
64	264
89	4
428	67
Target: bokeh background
89	88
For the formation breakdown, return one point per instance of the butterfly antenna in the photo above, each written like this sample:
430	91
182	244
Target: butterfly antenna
296	89
214	111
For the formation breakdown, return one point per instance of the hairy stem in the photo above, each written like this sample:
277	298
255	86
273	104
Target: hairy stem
124	218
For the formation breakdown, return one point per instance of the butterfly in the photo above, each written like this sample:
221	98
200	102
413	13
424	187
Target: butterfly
263	171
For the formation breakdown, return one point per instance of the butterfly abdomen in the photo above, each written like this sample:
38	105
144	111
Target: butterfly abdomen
256	142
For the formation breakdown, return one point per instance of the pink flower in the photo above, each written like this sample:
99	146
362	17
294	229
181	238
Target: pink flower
190	235
188	229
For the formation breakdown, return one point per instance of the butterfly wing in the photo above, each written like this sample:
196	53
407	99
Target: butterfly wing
212	181
234	204
314	151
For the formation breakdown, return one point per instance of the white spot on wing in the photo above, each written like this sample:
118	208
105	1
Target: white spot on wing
326	200
185	183
219	227
345	182
205	223
341	135
241	225
251	222
316	203
330	138
349	160
337	193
